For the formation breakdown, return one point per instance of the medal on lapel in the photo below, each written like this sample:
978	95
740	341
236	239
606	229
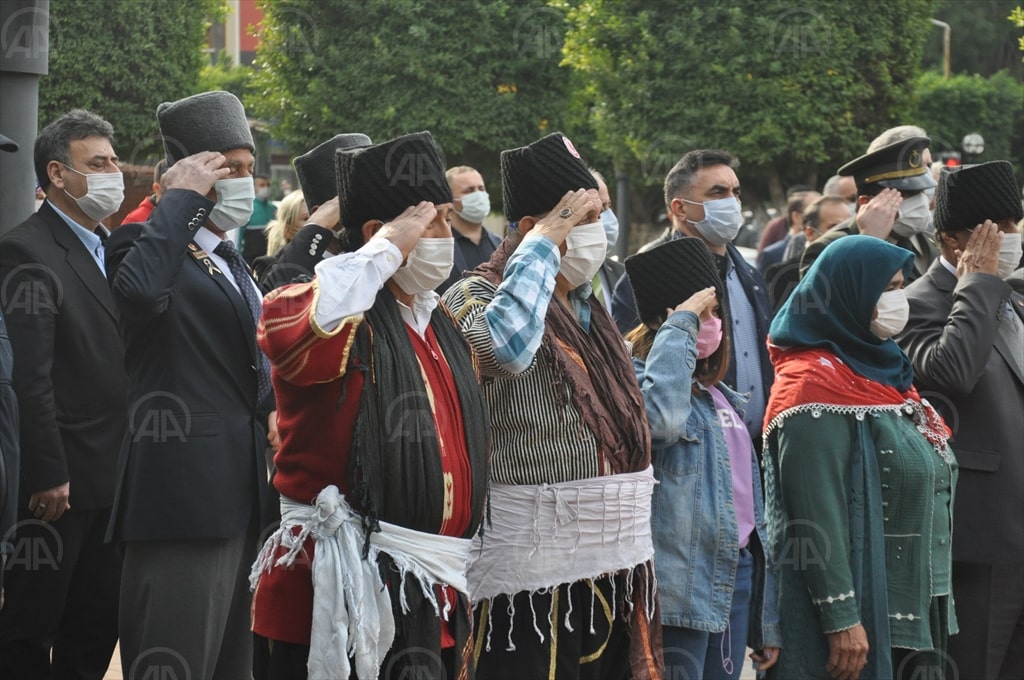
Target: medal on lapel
200	255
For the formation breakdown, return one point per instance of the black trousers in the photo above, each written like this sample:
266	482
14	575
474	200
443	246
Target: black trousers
990	611
61	592
276	660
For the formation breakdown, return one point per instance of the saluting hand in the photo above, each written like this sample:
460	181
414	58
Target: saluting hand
981	254
197	172
876	217
327	215
406	229
574	205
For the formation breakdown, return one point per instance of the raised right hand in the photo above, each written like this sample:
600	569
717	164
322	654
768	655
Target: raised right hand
981	254
876	217
406	229
555	226
848	653
701	302
197	172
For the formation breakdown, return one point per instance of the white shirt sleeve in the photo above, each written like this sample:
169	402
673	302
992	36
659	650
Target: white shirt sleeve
349	282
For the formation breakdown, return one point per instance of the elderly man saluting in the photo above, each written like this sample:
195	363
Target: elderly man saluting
965	337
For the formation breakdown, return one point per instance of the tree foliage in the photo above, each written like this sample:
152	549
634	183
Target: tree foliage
481	76
982	41
120	60
794	91
992	107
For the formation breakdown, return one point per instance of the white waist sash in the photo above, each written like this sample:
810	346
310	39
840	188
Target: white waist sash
545	535
351	607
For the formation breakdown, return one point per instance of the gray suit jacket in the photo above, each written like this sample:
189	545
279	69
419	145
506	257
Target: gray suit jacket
964	367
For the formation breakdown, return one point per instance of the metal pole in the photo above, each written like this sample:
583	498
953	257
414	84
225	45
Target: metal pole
622	212
24	57
946	31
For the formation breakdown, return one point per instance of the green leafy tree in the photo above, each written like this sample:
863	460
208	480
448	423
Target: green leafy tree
120	59
992	107
981	40
481	76
224	75
794	91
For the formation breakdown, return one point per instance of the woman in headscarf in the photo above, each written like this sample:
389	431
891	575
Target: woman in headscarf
859	478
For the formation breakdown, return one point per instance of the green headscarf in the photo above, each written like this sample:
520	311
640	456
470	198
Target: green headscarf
832	305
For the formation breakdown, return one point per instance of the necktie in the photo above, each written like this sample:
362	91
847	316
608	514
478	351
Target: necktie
100	252
226	250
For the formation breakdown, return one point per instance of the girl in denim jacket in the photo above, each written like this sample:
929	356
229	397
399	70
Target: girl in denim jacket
717	595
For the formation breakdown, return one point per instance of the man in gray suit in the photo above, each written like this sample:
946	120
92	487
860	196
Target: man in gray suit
965	337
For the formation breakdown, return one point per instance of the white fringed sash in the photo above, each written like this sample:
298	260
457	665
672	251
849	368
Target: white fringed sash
548	534
351	608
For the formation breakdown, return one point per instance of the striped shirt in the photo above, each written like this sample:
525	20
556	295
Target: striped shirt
533	439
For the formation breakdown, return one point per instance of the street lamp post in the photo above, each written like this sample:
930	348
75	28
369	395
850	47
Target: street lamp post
946	30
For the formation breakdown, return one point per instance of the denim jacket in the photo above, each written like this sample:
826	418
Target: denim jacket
696	539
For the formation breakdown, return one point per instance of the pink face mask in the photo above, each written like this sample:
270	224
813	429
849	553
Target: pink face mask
710	337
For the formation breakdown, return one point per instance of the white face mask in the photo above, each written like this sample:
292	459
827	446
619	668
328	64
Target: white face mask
263	193
914	216
723	218
893	312
852	207
234	203
427	266
585	248
104	194
611	226
1009	254
475	207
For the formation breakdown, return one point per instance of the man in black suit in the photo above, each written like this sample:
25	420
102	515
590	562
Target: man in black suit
62	580
966	339
192	473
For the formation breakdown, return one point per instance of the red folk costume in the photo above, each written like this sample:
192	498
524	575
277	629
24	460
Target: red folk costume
320	379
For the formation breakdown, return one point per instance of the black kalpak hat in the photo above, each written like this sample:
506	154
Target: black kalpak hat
315	168
378	182
896	166
665	276
535	177
209	121
970	194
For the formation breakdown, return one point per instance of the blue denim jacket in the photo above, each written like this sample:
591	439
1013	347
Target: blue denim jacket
696	539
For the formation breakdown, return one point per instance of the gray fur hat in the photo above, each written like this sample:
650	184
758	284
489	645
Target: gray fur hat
209	121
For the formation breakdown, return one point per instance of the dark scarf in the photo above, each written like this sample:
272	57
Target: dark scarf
831	308
604	390
395	462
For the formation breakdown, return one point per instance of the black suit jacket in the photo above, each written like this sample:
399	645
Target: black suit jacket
295	262
69	370
965	368
193	465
